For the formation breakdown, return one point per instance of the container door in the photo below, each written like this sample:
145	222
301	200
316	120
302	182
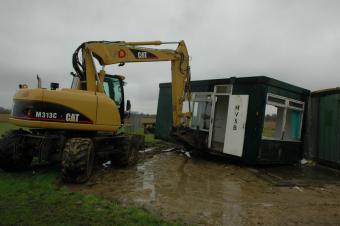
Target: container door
236	124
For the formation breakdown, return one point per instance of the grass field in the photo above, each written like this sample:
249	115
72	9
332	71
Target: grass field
35	199
269	129
39	198
140	131
4	126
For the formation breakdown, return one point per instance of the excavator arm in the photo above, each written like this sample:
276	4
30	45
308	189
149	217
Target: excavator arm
108	53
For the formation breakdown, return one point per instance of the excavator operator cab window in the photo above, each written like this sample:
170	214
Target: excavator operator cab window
113	88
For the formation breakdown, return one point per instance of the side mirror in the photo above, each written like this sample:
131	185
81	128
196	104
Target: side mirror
128	105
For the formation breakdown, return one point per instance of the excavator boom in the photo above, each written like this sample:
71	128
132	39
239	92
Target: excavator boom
108	53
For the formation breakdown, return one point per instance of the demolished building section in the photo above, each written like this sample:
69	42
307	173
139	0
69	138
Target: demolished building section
258	120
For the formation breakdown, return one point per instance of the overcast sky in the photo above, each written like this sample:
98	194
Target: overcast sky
294	41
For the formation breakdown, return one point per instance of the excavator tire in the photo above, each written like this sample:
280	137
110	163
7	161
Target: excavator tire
14	156
77	160
128	151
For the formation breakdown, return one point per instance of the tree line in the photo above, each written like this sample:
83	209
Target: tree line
4	110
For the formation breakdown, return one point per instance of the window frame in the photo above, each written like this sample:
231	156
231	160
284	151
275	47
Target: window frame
228	87
285	107
195	100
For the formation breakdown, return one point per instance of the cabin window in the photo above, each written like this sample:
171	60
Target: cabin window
106	89
201	110
282	119
223	89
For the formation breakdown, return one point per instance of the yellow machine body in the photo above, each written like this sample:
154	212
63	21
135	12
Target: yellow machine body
100	111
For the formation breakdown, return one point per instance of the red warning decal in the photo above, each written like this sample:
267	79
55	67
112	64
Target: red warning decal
121	53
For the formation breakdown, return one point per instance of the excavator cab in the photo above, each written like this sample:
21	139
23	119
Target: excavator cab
113	86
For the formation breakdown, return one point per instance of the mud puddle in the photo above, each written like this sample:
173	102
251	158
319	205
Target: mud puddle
196	191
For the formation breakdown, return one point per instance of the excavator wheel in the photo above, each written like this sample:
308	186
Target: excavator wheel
128	151
77	160
14	156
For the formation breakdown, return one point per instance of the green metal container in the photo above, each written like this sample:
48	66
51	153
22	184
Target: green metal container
325	128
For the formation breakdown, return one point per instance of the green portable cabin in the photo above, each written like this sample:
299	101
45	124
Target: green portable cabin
255	119
324	127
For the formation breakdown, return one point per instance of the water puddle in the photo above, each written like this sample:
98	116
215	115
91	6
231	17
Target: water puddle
196	191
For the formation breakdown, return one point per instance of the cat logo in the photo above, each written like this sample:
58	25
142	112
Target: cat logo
142	55
70	117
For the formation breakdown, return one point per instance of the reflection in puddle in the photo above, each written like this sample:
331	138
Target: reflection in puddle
148	184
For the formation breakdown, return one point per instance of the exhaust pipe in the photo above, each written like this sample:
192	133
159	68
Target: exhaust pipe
39	81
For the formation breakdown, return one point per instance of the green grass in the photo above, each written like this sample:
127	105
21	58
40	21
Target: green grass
34	199
4	126
28	198
149	138
269	129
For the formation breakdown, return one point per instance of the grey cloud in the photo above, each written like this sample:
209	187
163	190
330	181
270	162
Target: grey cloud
294	41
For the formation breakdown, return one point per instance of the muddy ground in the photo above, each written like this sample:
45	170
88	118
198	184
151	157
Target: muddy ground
215	192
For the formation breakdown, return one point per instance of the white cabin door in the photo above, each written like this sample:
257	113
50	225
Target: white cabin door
236	124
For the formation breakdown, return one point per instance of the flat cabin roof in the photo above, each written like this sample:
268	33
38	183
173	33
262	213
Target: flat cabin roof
256	80
325	92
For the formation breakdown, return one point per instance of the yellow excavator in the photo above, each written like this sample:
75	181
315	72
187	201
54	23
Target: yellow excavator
79	124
